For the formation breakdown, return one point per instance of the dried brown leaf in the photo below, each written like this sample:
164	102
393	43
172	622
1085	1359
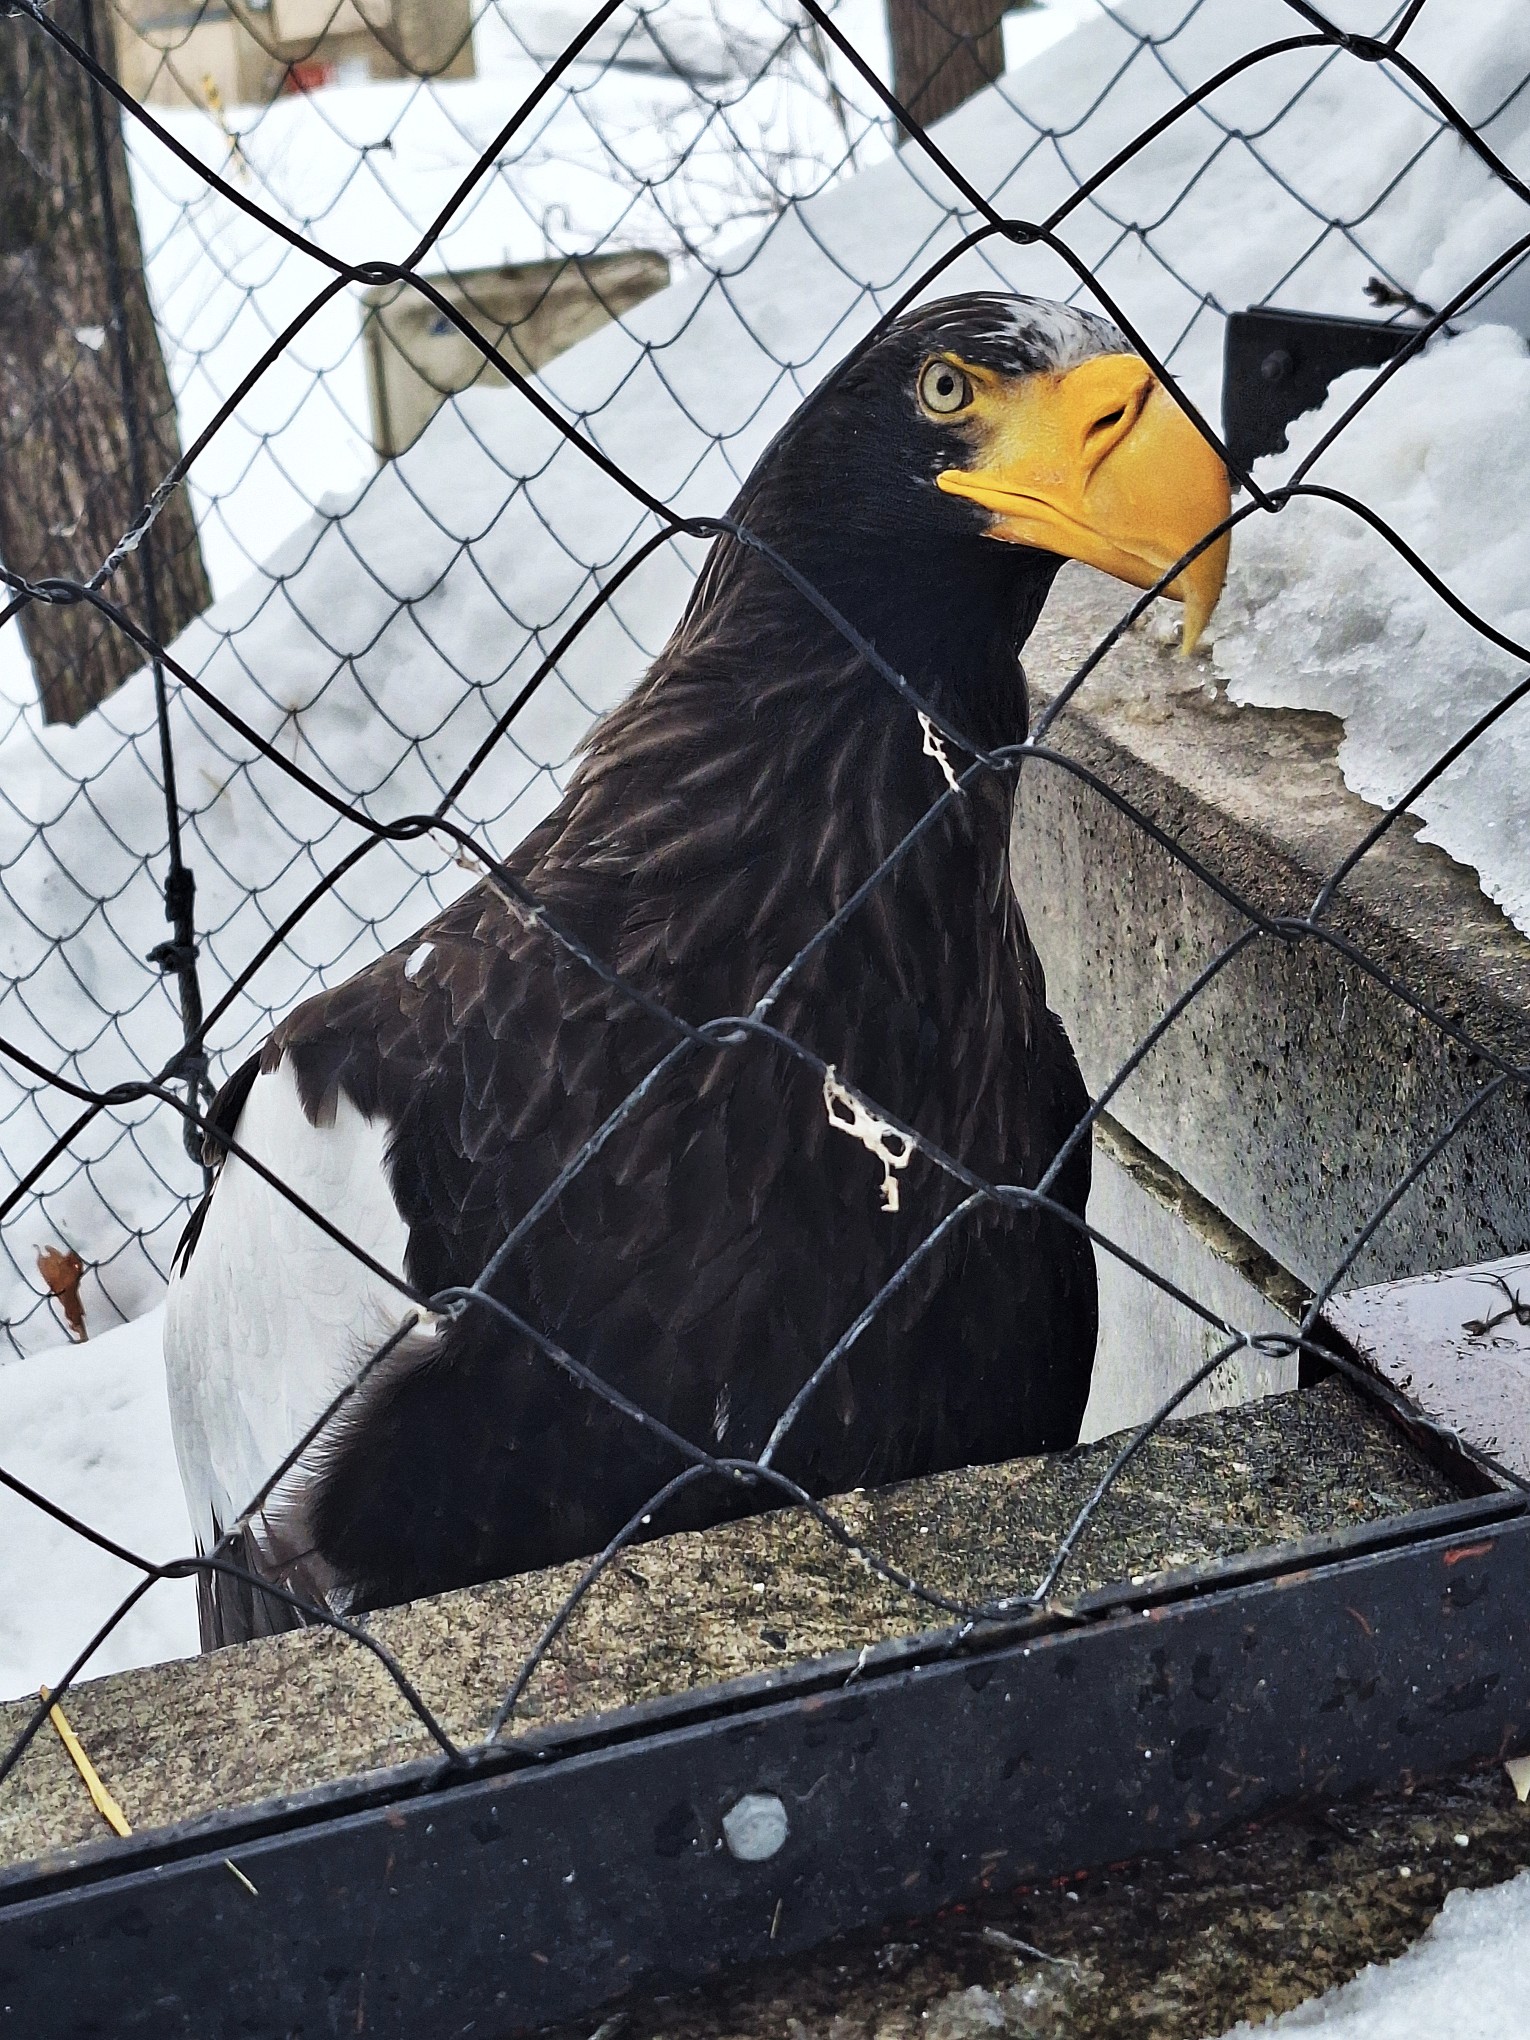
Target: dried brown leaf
61	1268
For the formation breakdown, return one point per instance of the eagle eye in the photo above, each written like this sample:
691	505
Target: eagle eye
943	388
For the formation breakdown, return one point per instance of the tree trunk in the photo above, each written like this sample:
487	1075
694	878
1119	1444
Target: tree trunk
87	421
944	51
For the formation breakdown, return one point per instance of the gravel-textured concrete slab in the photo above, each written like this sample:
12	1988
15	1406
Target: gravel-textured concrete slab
180	1740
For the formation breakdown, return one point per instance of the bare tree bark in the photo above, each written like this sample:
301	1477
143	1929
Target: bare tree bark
87	421
944	51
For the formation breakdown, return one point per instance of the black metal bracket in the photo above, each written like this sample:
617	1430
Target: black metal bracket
1276	365
657	1847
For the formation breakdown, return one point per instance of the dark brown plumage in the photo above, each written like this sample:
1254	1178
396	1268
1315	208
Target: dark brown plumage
727	1235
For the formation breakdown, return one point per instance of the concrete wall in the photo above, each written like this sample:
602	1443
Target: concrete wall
1149	1341
1297	1090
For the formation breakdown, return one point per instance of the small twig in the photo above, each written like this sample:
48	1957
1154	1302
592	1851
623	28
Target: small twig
1391	296
1517	1309
997	1938
101	1799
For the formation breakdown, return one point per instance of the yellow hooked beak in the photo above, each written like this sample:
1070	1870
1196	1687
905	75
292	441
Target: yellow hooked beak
1101	465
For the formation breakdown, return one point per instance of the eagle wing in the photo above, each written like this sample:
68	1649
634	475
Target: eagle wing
268	1317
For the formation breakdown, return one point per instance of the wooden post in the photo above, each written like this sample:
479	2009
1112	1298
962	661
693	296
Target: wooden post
87	421
944	51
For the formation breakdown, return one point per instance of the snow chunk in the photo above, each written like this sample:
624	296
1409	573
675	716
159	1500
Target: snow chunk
1322	613
1466	1977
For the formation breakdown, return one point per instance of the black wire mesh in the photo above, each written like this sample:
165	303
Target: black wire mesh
324	807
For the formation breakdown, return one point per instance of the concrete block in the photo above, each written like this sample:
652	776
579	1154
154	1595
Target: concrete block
1297	1090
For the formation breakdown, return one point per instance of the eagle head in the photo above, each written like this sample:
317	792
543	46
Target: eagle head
989	417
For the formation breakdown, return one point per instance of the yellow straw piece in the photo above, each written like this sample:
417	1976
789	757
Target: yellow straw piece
102	1800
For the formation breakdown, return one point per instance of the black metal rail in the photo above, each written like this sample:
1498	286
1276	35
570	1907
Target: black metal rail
758	1819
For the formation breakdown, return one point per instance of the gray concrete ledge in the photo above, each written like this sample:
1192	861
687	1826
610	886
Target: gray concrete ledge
1296	1090
177	1741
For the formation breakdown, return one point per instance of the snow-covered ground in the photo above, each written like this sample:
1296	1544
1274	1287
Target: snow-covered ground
89	1427
1466	1978
627	152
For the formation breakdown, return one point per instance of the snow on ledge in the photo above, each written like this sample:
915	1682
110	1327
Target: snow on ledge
89	1427
1321	612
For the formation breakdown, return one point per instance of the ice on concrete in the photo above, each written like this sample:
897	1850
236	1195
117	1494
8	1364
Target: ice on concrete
89	1427
1467	1977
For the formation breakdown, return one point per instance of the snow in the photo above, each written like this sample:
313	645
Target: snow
89	1427
1465	1977
628	152
378	655
1321	613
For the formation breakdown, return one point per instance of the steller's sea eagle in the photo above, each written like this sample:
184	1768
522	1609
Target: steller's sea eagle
727	1234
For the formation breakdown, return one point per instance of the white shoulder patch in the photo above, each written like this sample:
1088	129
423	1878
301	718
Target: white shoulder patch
272	1316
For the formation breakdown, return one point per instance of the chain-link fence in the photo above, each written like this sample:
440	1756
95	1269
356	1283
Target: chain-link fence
441	539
